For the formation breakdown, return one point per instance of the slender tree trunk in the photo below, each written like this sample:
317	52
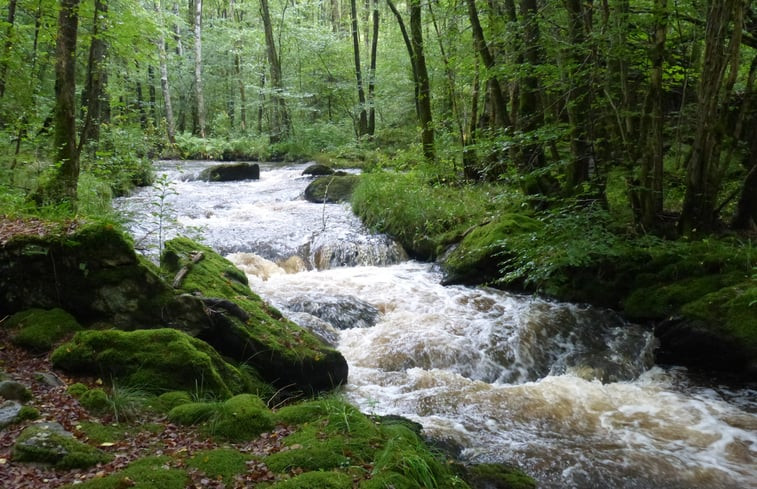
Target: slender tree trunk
199	96
93	95
704	169
745	217
424	85
242	93
280	123
8	45
583	165
372	72
62	187
165	87
650	192
362	125
409	47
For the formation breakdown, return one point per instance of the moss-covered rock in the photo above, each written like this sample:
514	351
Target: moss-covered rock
146	473
169	400
39	329
77	389
154	360
478	256
331	188
192	413
49	443
316	480
95	400
230	172
245	328
14	391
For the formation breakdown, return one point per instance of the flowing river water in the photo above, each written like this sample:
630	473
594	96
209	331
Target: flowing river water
568	393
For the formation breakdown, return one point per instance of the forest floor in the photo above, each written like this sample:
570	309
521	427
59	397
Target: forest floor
141	439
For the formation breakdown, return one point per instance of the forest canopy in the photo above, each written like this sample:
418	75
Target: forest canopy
648	105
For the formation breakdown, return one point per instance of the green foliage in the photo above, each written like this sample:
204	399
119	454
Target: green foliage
421	214
40	330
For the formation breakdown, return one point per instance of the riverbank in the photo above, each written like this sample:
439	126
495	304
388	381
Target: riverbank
700	296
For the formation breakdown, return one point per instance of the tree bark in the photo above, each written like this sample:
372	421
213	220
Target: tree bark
63	185
650	192
280	123
8	45
93	95
362	125
424	85
165	87
372	72
199	95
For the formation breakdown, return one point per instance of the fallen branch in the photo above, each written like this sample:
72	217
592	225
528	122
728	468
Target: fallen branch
179	278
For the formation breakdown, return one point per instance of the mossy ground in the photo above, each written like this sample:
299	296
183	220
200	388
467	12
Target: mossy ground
240	418
148	473
40	329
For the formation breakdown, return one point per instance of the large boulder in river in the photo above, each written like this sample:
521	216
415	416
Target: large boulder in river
230	172
332	188
245	328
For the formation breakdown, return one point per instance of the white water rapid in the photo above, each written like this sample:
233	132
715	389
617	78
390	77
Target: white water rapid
568	393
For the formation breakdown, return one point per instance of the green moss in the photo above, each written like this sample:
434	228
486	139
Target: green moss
105	433
325	455
169	400
220	464
316	480
40	329
476	260
95	400
192	413
41	444
731	311
498	476
27	413
153	360
147	473
662	300
385	480
77	390
240	418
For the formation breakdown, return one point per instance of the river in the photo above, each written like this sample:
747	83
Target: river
568	393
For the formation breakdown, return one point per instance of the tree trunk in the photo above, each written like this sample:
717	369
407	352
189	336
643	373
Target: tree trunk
372	72
62	187
424	85
362	125
8	45
280	124
93	95
165	88
745	217
704	169
199	96
650	192
409	47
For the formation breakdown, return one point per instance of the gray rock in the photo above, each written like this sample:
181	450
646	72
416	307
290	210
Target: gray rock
50	443
49	379
14	391
9	413
342	312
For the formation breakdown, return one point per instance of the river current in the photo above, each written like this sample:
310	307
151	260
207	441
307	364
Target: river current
568	393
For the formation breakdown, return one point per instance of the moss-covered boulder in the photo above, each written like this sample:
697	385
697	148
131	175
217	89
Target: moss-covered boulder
145	473
230	172
331	188
154	360
476	259
90	271
49	443
242	326
499	476
39	329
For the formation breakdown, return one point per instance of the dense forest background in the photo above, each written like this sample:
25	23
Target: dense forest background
647	107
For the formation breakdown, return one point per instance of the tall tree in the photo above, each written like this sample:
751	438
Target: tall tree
199	94
720	65
362	122
94	98
8	46
280	122
63	183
